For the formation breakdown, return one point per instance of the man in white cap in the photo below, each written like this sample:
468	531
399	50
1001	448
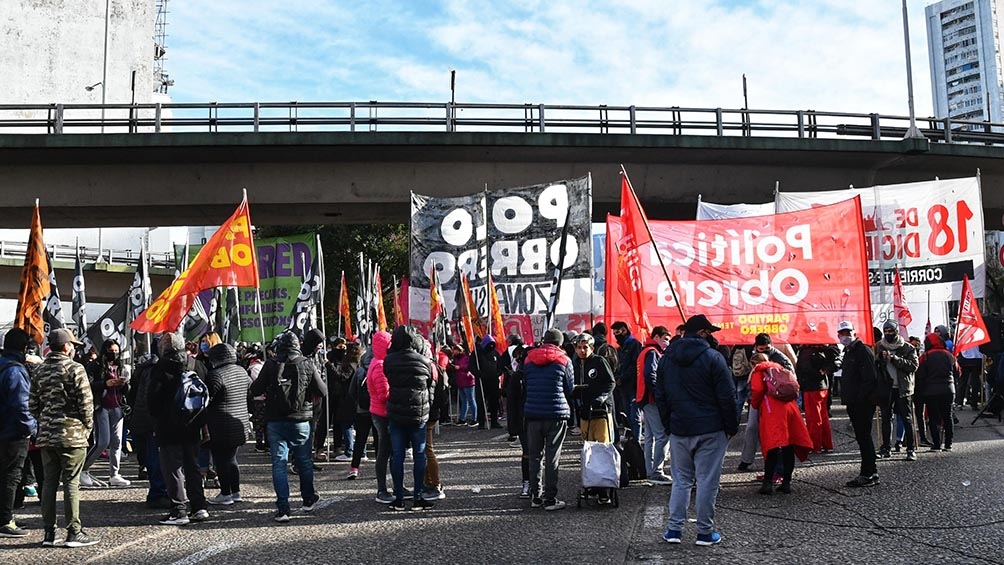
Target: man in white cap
858	392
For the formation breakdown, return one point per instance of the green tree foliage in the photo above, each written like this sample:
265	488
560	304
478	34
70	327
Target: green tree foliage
384	244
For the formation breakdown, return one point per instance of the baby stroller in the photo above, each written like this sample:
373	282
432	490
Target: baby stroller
601	466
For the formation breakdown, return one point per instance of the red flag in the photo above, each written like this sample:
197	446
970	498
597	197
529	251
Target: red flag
344	310
227	259
34	290
378	296
899	306
629	277
971	330
495	313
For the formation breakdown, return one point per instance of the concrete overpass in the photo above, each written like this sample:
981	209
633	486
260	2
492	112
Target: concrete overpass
152	177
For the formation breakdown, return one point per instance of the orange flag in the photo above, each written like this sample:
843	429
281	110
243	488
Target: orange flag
635	234
34	289
227	259
467	314
378	296
436	308
398	312
971	331
344	310
495	312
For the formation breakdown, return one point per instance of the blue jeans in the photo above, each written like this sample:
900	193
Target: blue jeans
348	436
287	437
400	436
742	395
468	407
158	488
656	440
696	460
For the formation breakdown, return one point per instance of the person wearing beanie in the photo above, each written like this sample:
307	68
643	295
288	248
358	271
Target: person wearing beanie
859	392
488	370
17	425
548	384
897	364
178	441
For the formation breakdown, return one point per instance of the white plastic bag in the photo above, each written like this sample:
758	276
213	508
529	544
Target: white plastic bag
601	465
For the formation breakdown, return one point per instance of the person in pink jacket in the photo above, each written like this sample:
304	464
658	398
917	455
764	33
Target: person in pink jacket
782	431
465	383
376	385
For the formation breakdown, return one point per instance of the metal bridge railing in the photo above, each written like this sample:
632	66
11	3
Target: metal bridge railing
17	249
58	119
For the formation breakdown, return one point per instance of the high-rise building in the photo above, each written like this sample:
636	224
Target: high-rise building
964	50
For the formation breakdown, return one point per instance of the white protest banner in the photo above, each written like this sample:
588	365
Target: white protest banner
710	211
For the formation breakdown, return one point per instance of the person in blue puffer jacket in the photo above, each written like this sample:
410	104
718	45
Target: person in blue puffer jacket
549	383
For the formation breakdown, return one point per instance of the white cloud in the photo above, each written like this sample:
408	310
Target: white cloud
834	55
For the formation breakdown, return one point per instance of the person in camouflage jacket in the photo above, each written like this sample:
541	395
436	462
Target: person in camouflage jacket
62	403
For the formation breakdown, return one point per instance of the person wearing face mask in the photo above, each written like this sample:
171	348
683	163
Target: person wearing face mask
628	349
857	392
108	388
656	440
897	359
696	398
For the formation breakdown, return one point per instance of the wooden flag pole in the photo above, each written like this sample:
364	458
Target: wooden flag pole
665	272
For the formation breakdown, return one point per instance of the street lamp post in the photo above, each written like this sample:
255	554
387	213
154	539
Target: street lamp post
912	132
104	69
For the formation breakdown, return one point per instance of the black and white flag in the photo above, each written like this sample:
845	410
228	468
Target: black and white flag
310	296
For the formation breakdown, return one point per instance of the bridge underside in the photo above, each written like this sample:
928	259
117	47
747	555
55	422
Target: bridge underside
365	177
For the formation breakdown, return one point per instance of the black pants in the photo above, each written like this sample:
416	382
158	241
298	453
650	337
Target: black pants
967	389
861	415
901	406
939	410
227	471
490	406
362	425
919	403
12	455
787	455
33	474
180	465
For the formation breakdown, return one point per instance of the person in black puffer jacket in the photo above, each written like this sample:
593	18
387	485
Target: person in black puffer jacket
289	431
409	378
227	418
179	444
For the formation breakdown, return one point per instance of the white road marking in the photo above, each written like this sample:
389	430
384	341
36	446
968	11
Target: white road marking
104	555
204	554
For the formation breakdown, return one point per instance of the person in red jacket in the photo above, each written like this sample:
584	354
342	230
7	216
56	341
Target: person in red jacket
782	431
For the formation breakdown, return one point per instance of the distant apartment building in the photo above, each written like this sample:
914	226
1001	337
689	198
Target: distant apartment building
964	49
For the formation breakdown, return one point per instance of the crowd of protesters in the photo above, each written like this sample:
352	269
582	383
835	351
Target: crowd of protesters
186	410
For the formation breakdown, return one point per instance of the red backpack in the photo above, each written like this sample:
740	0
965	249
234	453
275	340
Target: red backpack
780	383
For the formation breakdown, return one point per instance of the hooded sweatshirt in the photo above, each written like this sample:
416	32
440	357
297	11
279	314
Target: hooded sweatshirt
376	380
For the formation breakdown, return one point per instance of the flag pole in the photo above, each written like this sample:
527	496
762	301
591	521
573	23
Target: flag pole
323	279
648	229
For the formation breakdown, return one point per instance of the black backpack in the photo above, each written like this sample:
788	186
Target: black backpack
191	400
286	393
609	353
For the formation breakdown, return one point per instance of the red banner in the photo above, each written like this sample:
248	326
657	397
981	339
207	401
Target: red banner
793	276
971	331
227	259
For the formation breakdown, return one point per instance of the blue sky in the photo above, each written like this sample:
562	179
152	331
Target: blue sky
828	55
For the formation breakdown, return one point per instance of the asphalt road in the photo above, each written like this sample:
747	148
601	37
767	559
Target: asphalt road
943	508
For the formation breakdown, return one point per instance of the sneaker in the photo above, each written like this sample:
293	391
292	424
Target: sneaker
524	493
743	466
50	539
321	457
421	504
552	505
353	473
536	502
515	444
30	490
863	481
660	479
935	448
604	499
709	539
80	539
142	475
86	480
472	424
785	488
119	481
924	442
911	455
281	516
384	497
398	505
433	494
260	448
236	497
221	500
884	454
199	515
343	457
12	531
172	520
308	506
947	448
672	536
